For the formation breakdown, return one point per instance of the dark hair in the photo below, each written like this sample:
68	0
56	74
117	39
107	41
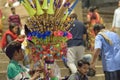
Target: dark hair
73	15
12	8
11	48
12	25
91	9
81	62
98	27
26	29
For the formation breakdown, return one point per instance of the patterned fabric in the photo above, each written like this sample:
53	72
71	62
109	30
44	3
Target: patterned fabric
14	19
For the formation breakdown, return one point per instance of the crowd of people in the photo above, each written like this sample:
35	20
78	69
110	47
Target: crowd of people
91	35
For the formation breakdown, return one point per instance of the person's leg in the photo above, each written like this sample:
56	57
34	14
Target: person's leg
118	74
111	75
80	52
71	59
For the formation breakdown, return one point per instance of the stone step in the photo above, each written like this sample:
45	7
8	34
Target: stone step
99	69
3	75
3	65
3	57
97	77
64	72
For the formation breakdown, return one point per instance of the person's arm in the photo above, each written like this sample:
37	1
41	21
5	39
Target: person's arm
21	76
97	50
9	18
9	39
95	56
35	75
20	24
98	17
88	17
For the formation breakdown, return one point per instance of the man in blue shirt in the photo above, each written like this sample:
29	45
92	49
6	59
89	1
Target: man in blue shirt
107	44
76	44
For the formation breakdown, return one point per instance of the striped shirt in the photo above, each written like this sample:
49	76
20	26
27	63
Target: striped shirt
14	18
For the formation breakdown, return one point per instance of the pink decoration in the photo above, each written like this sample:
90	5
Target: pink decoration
69	36
29	38
60	33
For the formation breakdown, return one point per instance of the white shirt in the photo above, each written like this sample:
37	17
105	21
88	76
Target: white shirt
116	18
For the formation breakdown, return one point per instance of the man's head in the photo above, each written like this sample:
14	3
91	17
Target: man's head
83	66
97	28
73	16
13	10
14	51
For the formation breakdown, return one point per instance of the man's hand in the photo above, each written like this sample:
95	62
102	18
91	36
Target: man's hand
113	29
92	65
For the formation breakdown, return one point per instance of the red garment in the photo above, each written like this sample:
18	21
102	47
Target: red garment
4	39
94	18
0	14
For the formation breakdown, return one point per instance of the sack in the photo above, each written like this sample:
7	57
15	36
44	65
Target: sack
91	72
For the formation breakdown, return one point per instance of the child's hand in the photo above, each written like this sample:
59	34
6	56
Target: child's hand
36	74
51	73
40	69
20	38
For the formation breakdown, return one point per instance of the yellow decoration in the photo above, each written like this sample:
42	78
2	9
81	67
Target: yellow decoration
29	9
45	5
39	9
50	9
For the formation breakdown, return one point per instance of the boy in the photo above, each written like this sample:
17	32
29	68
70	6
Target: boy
82	70
15	71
